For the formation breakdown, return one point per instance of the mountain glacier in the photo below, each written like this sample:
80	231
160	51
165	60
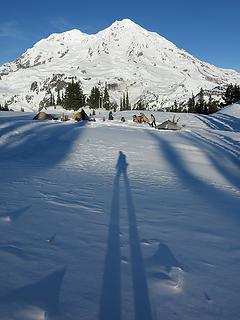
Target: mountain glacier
125	56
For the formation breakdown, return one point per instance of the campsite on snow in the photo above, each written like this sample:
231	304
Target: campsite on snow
120	181
107	219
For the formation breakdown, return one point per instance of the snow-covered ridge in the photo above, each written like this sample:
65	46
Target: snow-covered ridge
125	55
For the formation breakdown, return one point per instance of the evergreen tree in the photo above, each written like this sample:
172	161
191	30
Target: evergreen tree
5	108
232	94
191	105
175	107
91	99
121	104
212	106
236	93
128	106
113	106
228	95
140	105
59	100
106	100
200	105
74	97
124	102
52	100
207	105
94	99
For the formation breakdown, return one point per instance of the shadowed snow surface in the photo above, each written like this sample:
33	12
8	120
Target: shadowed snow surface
111	220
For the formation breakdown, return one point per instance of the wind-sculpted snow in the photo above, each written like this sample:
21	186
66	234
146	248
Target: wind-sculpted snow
113	220
125	55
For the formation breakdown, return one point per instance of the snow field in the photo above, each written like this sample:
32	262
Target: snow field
88	232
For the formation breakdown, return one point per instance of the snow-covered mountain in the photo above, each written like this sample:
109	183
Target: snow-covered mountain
125	55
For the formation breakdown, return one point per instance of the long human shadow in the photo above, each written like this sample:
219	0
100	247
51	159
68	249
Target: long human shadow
44	293
218	199
212	153
142	304
110	304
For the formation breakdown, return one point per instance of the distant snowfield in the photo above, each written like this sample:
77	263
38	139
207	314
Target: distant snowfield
111	220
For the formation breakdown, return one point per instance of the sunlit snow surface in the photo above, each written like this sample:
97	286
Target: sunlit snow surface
125	56
111	220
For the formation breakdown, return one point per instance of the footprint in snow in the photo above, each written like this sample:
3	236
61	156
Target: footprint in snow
206	296
52	238
148	242
124	260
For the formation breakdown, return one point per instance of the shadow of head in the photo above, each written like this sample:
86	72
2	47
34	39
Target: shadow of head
122	164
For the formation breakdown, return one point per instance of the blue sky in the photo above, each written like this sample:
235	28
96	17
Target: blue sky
208	29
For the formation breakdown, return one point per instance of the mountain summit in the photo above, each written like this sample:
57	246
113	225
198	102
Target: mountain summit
125	56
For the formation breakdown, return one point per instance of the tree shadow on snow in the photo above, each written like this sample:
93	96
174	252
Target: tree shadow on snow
228	144
219	163
13	126
213	123
44	293
218	199
44	144
232	121
110	303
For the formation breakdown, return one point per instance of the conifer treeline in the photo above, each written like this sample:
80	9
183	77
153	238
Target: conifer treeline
124	102
74	98
232	94
201	106
4	108
198	104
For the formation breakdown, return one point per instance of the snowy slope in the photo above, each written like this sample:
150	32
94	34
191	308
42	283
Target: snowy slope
125	55
87	232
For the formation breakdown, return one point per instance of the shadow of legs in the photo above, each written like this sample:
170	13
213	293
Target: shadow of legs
110	304
141	297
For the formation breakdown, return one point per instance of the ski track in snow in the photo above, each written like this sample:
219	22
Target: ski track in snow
89	232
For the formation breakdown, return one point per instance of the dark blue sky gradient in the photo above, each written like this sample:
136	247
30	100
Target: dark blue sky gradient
208	29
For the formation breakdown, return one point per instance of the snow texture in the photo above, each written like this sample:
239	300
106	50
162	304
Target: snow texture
111	220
